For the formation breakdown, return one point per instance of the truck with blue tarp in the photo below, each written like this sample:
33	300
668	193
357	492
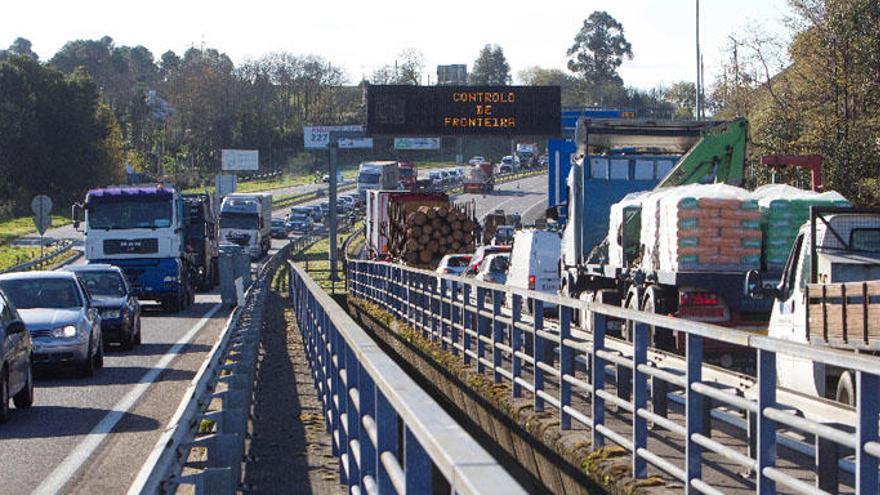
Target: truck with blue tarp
141	229
612	162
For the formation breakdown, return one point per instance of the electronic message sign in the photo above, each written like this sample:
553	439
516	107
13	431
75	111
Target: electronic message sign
464	110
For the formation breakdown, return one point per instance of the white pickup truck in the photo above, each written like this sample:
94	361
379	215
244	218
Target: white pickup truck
829	295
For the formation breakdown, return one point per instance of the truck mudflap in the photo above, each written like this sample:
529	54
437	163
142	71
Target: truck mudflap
153	279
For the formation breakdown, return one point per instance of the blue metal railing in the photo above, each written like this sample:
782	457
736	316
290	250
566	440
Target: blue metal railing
389	434
557	362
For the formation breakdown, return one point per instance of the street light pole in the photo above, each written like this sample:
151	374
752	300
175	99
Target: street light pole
699	86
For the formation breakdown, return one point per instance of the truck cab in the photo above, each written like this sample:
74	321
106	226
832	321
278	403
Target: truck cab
245	219
833	266
139	229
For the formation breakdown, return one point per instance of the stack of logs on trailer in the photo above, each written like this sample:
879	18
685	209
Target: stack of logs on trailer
422	237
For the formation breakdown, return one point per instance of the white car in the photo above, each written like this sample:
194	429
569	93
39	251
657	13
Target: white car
453	264
534	263
494	268
477	160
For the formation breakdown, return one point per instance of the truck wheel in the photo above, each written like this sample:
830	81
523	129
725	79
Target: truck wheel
846	389
626	329
609	296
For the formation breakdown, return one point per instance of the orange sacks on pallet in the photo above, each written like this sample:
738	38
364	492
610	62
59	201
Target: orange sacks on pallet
739	233
739	251
707	203
741	214
698	250
699	213
719	260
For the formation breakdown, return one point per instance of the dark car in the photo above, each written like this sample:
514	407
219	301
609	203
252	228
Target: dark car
16	364
115	300
317	213
279	229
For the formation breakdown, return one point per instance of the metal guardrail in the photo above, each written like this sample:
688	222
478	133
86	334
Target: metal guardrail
388	433
484	325
231	362
66	245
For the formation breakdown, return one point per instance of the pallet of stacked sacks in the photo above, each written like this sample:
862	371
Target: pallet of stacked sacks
711	228
784	209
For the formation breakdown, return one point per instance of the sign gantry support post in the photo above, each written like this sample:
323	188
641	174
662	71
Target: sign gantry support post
332	227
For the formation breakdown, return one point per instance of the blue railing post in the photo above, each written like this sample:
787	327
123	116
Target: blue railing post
497	335
868	408
455	316
598	376
352	370
367	395
388	438
468	323
538	351
566	366
434	305
482	329
444	311
693	411
766	426
417	466
640	399
340	390
516	343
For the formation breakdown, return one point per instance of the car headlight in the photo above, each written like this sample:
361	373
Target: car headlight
111	313
65	332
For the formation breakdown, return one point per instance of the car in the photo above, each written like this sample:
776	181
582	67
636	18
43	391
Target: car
476	160
342	206
325	208
16	365
453	264
350	201
63	322
279	229
503	235
115	300
317	213
534	262
494	268
448	178
481	254
339	179
300	223
437	180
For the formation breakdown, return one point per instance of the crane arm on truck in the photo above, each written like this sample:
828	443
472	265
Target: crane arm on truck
718	157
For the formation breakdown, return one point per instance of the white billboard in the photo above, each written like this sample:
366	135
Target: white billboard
417	143
240	160
317	137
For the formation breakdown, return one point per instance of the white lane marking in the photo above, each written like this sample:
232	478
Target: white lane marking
525	213
81	454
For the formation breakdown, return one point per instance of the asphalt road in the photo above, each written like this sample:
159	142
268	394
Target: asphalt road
92	435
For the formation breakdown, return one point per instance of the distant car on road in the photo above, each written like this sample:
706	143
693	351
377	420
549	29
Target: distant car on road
481	254
63	322
115	300
339	178
503	235
317	213
350	201
279	228
16	366
300	223
477	160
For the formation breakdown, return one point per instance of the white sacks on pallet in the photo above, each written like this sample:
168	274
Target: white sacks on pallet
713	227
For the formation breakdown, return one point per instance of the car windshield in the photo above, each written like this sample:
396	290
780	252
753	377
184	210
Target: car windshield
42	293
107	283
458	261
277	222
130	215
499	264
299	218
242	221
406	172
368	178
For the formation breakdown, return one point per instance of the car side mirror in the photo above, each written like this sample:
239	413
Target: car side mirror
755	288
16	327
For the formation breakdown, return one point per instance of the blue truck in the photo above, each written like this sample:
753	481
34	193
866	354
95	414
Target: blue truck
142	230
612	158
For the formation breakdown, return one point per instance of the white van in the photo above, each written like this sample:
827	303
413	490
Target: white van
534	262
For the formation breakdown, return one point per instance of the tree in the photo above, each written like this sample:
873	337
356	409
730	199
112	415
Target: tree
599	49
570	86
683	95
407	69
22	48
490	68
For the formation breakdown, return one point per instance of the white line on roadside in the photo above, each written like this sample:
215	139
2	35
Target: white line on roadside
525	213
81	454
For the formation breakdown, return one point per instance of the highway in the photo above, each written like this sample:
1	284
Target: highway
92	435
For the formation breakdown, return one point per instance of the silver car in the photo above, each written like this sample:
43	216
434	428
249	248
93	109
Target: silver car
63	324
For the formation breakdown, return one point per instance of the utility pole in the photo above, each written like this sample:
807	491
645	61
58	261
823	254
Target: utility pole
699	86
332	147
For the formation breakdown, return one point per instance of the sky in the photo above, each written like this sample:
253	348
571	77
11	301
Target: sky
360	35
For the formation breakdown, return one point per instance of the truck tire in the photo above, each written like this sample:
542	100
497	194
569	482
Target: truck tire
632	301
609	296
846	389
